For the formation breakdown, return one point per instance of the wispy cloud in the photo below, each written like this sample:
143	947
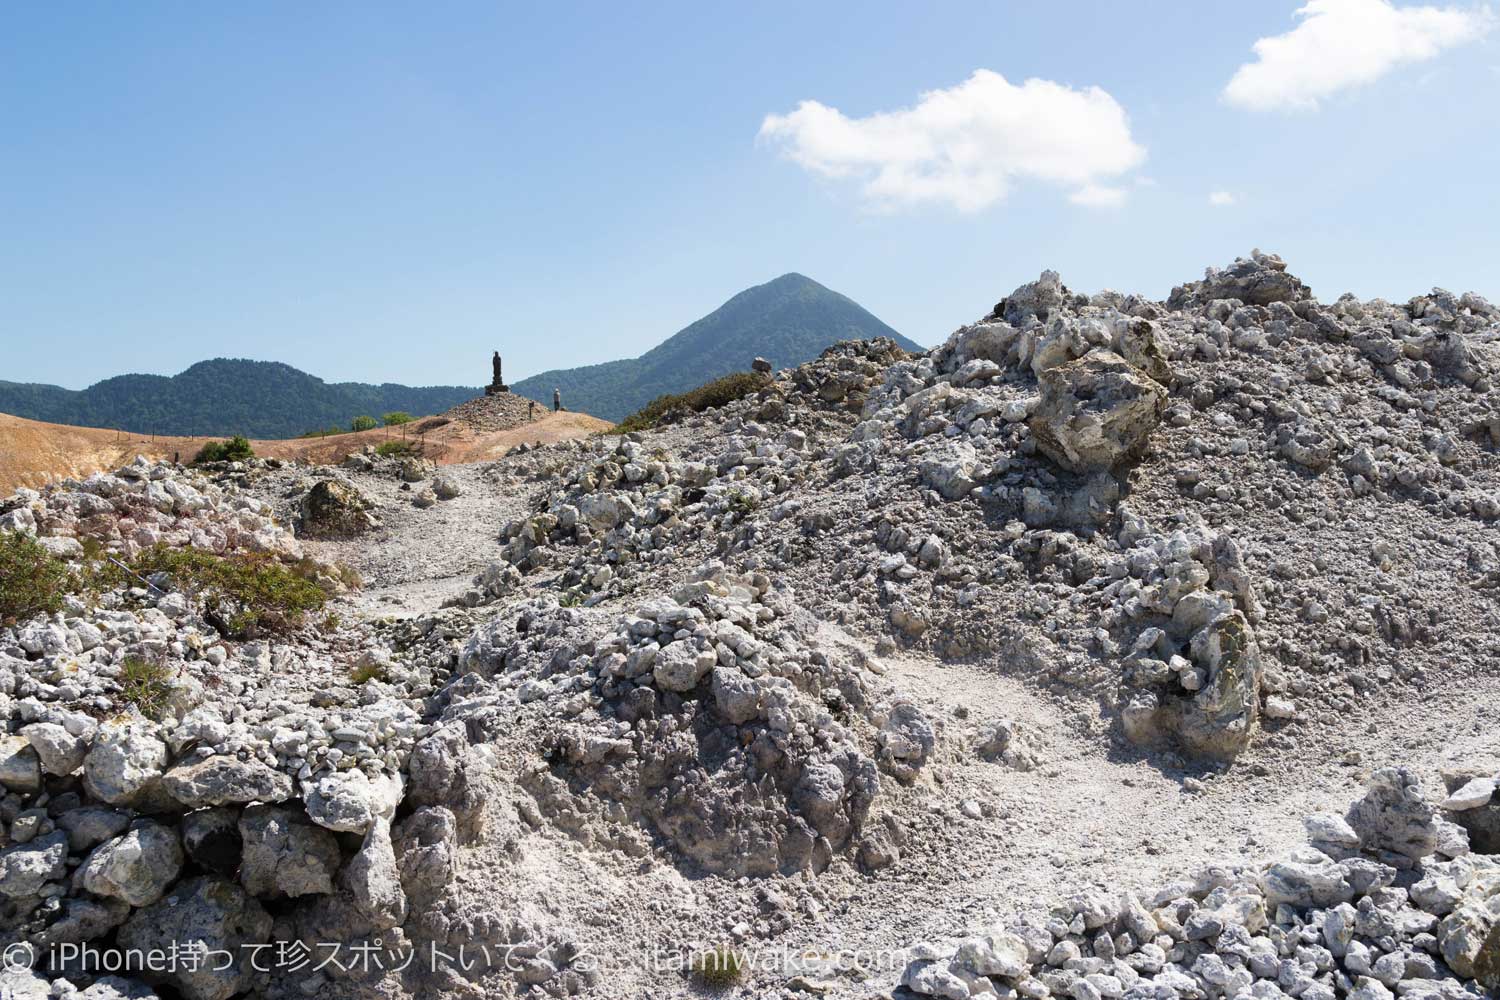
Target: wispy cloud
969	145
1340	44
1222	199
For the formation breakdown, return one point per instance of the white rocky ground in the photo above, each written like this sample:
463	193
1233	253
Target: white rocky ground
1012	669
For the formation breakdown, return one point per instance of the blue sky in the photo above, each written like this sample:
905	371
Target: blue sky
388	192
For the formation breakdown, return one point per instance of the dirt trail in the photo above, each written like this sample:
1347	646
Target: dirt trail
33	453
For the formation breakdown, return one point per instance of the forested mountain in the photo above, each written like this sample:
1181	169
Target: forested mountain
261	399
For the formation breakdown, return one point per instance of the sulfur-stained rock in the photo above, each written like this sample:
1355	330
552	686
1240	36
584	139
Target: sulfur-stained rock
1096	412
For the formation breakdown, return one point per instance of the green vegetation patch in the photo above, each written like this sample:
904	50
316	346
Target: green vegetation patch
32	580
706	397
325	432
236	449
396	418
146	684
395	449
718	968
245	594
363	423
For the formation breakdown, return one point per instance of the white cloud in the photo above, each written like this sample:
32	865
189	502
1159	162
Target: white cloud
1221	199
1098	196
967	146
1345	43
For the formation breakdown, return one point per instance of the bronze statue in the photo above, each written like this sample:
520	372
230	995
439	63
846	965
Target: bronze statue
497	385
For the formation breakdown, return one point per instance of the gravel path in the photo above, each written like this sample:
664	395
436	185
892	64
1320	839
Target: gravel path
418	557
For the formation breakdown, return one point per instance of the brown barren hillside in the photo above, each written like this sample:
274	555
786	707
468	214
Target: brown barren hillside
33	453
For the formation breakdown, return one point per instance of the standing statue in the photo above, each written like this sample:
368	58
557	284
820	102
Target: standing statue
497	384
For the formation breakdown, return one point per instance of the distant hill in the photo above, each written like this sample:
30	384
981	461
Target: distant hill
260	399
787	321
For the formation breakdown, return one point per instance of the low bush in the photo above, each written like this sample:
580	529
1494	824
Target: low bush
395	449
363	423
244	594
396	418
705	397
146	684
368	670
32	580
718	968
236	449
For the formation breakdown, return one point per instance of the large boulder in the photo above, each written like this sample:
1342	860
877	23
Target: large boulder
373	880
426	850
20	767
1469	937
223	780
25	868
285	854
680	666
125	764
60	752
1257	280
1220	718
1096	412
350	801
334	509
905	742
1473	803
951	469
209	911
1394	817
136	867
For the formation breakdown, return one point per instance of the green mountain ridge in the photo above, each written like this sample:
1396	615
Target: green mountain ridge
260	399
787	321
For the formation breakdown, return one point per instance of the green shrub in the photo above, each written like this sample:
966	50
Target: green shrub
705	397
244	594
363	423
395	449
369	670
396	418
32	580
236	449
718	968
146	684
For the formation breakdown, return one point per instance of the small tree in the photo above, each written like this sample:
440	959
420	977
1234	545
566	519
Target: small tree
363	423
396	418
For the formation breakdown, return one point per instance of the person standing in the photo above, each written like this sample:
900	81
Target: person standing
556	400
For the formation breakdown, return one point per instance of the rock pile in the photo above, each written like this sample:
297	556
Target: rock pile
496	412
1334	919
709	718
268	781
140	506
